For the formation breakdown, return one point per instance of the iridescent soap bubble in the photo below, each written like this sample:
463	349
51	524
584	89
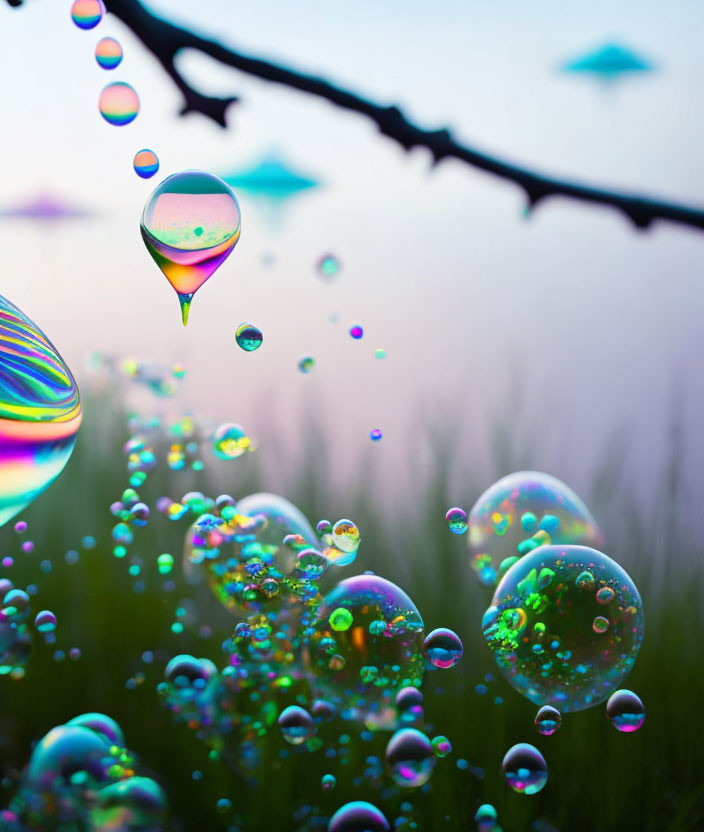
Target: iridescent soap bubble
103	725
521	512
525	769
548	720
306	364
248	337
328	265
190	224
118	104
441	746
358	816
230	441
45	621
108	53
138	803
296	724
328	782
456	519
86	14
626	711
361	669
40	411
442	648
66	751
346	537
242	556
540	627
486	818
410	758
146	164
356	332
375	435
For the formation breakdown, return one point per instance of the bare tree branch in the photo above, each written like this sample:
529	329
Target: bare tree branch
165	40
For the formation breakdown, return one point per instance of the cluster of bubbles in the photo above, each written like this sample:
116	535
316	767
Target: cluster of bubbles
81	776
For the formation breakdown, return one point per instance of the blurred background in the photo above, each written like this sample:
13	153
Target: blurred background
563	341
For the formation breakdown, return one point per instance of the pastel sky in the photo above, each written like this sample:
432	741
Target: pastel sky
570	328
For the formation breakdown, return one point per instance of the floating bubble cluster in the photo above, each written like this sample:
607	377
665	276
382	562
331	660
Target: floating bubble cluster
520	513
40	411
81	776
119	104
190	225
145	163
525	769
108	53
540	626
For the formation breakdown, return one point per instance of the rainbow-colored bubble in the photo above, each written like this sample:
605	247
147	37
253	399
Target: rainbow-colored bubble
118	104
108	53
86	14
40	411
146	163
190	224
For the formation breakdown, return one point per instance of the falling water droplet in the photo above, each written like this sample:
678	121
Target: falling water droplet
190	224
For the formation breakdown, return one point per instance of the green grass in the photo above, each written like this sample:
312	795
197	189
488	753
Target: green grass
599	779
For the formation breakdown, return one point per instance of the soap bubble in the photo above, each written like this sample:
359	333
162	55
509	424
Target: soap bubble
244	555
356	332
525	769
305	365
345	536
230	441
137	803
539	626
626	711
296	724
118	104
456	519
145	164
102	725
67	750
410	757
486	818
86	14
45	621
362	667
358	816
190	224
375	435
521	512
328	782
328	265
442	648
548	720
40	411
108	53
441	746
248	337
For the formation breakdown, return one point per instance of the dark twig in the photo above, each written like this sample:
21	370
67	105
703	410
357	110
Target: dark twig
165	40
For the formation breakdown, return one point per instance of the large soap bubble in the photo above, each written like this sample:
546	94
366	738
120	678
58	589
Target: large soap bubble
40	411
243	551
361	667
521	512
540	626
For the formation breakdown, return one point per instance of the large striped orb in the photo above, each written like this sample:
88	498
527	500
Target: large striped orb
40	411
